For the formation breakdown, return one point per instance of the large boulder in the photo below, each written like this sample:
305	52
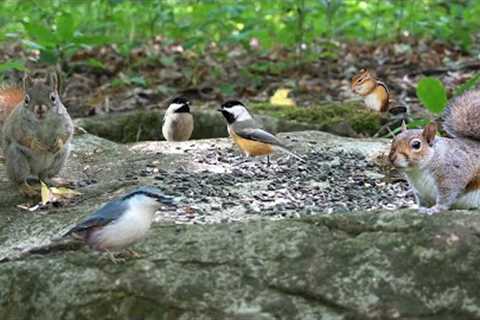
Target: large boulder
287	259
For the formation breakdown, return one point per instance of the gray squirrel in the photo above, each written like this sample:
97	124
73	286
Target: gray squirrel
37	131
443	172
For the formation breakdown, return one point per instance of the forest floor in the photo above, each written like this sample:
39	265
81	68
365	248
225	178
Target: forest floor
101	80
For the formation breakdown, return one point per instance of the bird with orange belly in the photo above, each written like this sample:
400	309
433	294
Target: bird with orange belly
247	133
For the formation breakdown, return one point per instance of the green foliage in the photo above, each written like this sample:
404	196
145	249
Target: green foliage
59	41
468	85
12	65
58	28
136	80
432	94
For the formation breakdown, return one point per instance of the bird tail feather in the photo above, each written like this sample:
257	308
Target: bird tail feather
290	152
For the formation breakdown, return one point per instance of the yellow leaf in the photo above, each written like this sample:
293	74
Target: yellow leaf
55	194
46	195
280	98
63	192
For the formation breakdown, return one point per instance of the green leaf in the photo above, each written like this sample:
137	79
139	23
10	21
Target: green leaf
96	63
432	94
138	80
468	85
227	89
41	34
12	65
65	27
118	82
48	56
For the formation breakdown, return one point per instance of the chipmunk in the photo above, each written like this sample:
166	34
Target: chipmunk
443	172
376	94
36	133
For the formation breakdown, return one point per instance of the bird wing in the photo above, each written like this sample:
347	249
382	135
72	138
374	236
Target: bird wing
259	135
249	130
103	216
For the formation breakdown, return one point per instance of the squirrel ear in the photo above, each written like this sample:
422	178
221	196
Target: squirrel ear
54	81
27	82
403	127
429	132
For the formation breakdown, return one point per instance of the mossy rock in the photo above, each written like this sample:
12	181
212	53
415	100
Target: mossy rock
346	119
147	125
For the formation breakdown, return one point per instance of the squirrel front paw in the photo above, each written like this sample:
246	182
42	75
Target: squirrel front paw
36	145
28	190
431	211
58	145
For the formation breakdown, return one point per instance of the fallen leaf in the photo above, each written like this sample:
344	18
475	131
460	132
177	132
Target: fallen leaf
280	98
46	194
55	194
63	192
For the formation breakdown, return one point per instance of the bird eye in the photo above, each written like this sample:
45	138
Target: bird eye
27	99
416	144
53	97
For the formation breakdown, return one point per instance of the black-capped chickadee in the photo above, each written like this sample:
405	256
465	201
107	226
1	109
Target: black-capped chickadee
248	134
178	121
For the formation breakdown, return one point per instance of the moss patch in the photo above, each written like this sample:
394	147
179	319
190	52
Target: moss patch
346	119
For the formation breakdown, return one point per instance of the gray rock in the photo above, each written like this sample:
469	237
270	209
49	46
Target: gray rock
383	264
363	266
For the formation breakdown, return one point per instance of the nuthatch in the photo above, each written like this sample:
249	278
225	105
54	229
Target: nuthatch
247	133
121	222
178	121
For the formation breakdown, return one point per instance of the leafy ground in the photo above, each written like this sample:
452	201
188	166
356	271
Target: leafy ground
154	73
115	61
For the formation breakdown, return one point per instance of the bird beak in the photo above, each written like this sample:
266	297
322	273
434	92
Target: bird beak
220	109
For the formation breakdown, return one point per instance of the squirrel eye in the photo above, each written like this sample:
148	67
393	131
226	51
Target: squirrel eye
416	144
27	99
52	97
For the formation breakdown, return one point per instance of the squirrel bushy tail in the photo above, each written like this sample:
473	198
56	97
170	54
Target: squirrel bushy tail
10	97
462	116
